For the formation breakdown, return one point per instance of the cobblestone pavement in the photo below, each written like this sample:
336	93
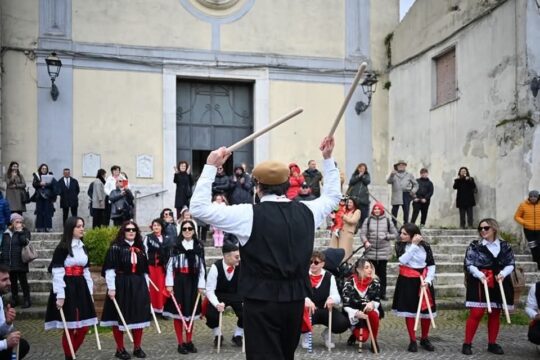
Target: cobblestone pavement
447	339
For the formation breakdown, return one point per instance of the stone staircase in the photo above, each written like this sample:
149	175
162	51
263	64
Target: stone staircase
448	247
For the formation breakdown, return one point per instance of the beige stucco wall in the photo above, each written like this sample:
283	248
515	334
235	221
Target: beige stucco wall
464	132
19	112
156	23
20	23
298	140
300	27
118	115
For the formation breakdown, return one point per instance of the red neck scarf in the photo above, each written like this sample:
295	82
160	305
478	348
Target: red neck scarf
315	279
362	283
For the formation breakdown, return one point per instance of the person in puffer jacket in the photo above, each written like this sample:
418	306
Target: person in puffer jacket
376	233
295	181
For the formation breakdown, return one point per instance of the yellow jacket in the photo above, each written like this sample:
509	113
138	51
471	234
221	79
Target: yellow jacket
528	215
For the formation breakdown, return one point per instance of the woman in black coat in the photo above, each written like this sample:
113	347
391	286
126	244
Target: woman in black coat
14	239
45	197
466	190
184	185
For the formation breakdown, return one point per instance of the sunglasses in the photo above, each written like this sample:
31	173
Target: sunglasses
316	262
187	229
484	228
131	230
167	214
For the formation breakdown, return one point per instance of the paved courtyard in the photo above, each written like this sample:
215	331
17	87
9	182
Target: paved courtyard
393	341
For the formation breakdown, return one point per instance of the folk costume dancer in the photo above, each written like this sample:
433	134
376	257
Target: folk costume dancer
533	311
415	261
156	252
126	271
324	298
362	302
487	259
72	287
222	291
185	278
276	238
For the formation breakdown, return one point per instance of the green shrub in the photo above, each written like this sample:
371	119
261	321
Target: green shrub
512	238
97	242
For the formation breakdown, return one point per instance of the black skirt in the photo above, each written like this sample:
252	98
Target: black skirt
78	306
185	291
406	296
133	299
476	296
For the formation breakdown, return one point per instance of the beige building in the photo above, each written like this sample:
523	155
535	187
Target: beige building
461	96
145	84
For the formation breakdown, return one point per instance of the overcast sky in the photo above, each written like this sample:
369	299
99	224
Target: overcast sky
404	6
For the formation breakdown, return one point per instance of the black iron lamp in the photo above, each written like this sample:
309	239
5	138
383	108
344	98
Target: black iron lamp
535	85
53	68
369	86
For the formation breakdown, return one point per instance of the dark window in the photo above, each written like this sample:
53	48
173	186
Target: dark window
445	71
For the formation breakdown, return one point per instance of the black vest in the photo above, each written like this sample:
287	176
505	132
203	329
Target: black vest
275	260
321	293
537	294
227	290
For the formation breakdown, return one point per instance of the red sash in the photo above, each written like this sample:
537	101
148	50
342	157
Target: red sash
307	326
490	278
74	270
412	273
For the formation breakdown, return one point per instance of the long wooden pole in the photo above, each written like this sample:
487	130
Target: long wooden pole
66	330
329	329
122	319
219	332
256	134
179	311
373	343
505	304
194	310
354	84
488	300
424	291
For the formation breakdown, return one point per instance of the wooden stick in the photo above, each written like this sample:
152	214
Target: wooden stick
310	336
256	134
373	343
424	291
179	311
244	343
66	330
17	352
505	304
219	332
360	333
193	313
354	84
153	284
329	329
98	342
155	319
486	290
122	319
417	319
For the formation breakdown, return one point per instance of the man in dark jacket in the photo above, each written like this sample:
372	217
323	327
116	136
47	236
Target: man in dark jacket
305	193
240	187
5	213
68	189
423	197
313	178
221	184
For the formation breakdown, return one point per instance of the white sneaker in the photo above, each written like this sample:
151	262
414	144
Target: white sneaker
325	338
305	341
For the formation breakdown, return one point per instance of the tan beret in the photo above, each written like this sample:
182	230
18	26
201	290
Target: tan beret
271	173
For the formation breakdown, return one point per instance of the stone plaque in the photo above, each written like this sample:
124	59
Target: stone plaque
91	164
145	166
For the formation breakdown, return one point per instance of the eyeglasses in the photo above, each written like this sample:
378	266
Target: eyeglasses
167	214
484	228
315	262
131	230
187	229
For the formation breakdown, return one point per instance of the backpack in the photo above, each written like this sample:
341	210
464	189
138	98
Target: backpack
387	224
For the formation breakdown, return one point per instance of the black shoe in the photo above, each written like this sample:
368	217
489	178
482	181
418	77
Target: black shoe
27	303
412	347
216	341
122	354
69	358
190	347
426	344
237	340
495	349
351	341
139	353
384	297
182	349
466	349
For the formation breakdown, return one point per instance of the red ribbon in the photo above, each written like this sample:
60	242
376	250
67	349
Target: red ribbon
74	270
134	252
315	280
306	321
412	273
230	269
490	277
362	284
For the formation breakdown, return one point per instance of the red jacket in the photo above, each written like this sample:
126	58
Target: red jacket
295	182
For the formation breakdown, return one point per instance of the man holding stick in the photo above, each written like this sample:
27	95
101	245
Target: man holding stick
276	238
9	339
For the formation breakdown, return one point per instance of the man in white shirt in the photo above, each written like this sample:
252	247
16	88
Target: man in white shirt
532	309
276	238
9	338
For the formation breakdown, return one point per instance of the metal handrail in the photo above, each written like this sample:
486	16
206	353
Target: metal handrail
156	193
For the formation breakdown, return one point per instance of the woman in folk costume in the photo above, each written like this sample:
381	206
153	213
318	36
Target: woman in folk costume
362	302
491	260
126	271
184	279
156	252
415	261
72	287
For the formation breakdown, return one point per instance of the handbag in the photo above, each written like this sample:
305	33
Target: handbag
25	196
28	253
